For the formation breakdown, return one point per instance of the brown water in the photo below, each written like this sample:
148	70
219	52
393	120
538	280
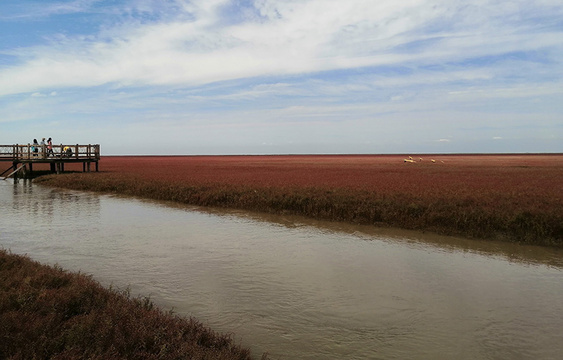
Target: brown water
302	289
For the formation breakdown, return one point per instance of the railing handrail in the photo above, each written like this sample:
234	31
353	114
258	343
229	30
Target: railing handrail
41	152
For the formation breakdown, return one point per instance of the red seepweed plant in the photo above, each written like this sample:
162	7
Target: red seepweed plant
511	197
48	313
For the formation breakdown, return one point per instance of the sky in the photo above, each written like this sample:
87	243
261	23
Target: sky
152	77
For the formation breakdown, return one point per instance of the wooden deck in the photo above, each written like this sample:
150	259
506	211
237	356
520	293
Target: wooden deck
22	157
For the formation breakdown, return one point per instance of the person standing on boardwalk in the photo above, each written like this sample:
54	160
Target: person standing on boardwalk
35	147
43	151
50	147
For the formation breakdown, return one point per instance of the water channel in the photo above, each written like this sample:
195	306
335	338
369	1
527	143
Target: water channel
302	289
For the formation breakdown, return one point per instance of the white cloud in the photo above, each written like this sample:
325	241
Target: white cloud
292	37
358	71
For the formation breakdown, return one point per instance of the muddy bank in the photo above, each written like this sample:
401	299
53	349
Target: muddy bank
515	199
47	312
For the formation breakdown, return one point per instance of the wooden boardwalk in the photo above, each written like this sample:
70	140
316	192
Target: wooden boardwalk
22	157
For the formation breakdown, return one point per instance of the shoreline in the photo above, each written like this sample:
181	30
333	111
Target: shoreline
517	201
46	312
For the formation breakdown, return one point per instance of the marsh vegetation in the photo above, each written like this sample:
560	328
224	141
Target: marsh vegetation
514	198
49	313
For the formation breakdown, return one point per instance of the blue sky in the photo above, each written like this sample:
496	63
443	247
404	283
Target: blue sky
284	77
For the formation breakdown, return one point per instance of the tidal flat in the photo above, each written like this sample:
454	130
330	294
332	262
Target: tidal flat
509	197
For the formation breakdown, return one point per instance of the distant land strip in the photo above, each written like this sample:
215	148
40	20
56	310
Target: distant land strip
512	197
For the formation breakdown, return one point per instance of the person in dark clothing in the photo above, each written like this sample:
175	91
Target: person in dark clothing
35	148
50	147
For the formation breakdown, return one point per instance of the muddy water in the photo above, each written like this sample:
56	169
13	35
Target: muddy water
301	289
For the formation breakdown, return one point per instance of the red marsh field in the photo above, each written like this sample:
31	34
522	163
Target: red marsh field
509	197
49	313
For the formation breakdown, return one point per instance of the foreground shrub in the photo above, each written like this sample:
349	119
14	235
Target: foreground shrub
48	313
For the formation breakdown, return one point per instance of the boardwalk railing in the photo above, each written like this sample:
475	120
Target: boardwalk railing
23	157
57	152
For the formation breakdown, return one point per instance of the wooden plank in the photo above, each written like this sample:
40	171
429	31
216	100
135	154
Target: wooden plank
5	171
13	172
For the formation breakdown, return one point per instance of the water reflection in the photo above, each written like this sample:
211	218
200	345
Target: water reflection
52	204
505	250
303	289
